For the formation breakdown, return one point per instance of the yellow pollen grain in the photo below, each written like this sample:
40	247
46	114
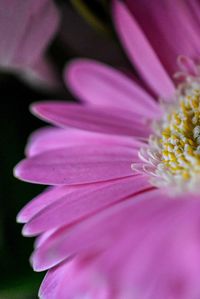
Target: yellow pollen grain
191	142
185	175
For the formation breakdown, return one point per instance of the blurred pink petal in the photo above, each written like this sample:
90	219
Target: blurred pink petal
27	28
81	280
172	30
39	203
95	84
53	138
92	118
81	202
61	193
152	233
141	53
42	74
97	233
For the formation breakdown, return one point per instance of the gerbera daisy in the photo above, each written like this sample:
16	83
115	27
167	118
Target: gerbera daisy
124	171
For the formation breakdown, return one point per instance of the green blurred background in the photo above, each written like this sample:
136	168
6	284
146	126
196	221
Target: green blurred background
86	30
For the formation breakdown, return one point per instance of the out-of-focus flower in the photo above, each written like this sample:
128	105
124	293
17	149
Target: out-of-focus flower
125	180
26	30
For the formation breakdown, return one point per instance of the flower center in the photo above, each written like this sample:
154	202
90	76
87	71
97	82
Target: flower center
173	155
180	138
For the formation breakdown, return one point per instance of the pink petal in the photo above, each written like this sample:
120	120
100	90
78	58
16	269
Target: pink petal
77	165
61	193
43	200
141	53
155	17
109	121
82	203
172	246
26	29
42	74
187	65
13	17
154	252
89	234
40	30
81	281
98	84
52	281
53	138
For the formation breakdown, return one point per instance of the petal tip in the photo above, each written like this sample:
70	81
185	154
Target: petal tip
73	68
36	264
25	231
34	108
39	109
20	171
20	218
17	171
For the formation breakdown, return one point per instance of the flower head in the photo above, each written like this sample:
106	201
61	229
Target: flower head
114	162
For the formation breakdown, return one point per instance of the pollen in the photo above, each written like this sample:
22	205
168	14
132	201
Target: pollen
173	155
180	138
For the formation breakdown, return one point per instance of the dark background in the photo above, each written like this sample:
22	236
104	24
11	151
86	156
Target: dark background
79	35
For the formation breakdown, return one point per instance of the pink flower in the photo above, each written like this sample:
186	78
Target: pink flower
26	30
123	168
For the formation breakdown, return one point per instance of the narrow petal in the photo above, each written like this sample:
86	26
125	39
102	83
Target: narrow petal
155	17
98	84
52	281
42	238
81	281
187	65
69	193
109	121
150	232
141	53
46	198
54	138
77	165
90	234
80	204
